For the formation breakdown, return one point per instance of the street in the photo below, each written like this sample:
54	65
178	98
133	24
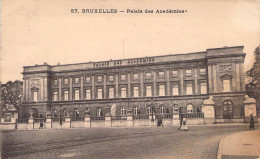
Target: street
139	142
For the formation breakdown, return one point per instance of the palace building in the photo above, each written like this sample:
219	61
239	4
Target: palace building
164	82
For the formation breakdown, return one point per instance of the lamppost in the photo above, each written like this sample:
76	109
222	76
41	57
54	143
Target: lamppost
60	115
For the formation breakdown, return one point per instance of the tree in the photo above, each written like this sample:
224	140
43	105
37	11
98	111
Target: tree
253	77
11	93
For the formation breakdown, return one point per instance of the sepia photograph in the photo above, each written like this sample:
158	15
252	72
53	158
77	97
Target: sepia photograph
108	79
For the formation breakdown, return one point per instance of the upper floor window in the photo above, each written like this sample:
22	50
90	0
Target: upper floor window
189	108
148	75
136	91
162	109
123	92
76	94
174	73
123	111
99	93
161	74
189	90
226	85
202	71
55	81
88	94
188	72
123	77
76	80
148	90
135	76
87	79
99	112
136	110
111	78
161	90
65	81
111	92
99	78
35	96
66	95
203	88
175	89
55	96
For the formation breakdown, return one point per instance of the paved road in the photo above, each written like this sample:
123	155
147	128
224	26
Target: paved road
143	142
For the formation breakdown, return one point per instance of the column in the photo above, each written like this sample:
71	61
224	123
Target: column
46	89
60	90
238	76
116	86
42	89
242	76
71	79
129	84
93	86
196	80
210	79
24	89
181	80
141	84
82	87
215	79
27	90
105	86
154	83
168	82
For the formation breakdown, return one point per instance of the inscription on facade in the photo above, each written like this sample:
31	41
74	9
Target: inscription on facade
225	68
35	82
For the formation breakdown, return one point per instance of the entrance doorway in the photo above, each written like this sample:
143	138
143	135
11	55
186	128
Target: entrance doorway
228	109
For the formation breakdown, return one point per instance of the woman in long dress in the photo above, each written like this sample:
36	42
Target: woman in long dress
252	122
184	125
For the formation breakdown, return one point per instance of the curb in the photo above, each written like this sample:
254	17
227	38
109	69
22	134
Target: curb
220	148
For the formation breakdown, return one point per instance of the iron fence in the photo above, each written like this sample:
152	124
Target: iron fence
192	115
164	116
77	118
97	118
118	117
141	116
39	119
22	120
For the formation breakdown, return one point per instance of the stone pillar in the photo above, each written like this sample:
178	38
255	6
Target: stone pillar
30	121
87	121
168	82
129	118
66	123
209	111
48	123
108	121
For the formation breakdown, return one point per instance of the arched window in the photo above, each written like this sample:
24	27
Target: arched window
135	110
123	111
76	112
162	111
228	109
35	113
149	110
189	108
87	111
54	113
99	112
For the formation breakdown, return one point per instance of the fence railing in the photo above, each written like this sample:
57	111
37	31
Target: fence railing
77	118
192	115
22	120
97	118
141	116
39	119
118	117
164	116
57	119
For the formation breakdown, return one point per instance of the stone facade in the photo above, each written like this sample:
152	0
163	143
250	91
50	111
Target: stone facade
138	84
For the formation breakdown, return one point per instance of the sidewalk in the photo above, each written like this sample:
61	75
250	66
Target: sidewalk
243	145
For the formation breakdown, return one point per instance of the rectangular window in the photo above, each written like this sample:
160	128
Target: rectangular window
65	81
76	94
111	78
35	96
55	96
202	71
226	85
99	93
189	90
136	91
148	75
66	95
99	78
148	90
203	88
175	89
87	79
76	80
136	76
55	81
188	72
123	92
88	94
174	73
123	77
161	90
161	74
111	93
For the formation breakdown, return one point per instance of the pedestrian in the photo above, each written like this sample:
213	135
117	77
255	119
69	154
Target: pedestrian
184	125
41	125
180	122
251	122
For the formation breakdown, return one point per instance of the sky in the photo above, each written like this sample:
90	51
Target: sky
34	32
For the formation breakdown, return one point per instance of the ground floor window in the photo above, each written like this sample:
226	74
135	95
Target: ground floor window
189	108
123	111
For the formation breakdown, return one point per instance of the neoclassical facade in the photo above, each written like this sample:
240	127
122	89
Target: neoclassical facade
164	82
